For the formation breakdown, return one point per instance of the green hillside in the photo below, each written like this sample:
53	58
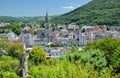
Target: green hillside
11	19
96	12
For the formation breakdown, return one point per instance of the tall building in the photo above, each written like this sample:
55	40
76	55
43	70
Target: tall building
47	28
82	39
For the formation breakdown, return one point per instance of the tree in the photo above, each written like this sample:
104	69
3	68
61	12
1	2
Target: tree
90	57
15	50
3	42
37	55
93	57
111	48
35	32
74	47
42	24
83	30
116	59
17	28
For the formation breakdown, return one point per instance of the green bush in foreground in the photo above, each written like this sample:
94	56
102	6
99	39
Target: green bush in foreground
37	55
89	57
111	48
15	50
66	69
8	75
9	67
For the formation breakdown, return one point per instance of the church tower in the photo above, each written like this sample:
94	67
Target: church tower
47	28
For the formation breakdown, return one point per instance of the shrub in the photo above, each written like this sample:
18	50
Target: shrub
95	58
9	67
111	47
8	75
15	50
66	69
37	55
115	61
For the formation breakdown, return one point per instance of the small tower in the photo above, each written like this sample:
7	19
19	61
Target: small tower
47	28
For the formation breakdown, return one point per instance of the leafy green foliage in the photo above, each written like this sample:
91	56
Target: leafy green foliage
96	12
111	48
115	60
64	69
9	19
95	58
75	48
76	64
3	43
83	64
37	55
15	50
17	29
8	75
8	67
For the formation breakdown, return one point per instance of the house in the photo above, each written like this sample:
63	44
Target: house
72	27
12	37
63	41
39	42
27	39
57	52
64	32
88	28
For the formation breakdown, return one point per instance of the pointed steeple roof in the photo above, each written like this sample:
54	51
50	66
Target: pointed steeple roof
46	18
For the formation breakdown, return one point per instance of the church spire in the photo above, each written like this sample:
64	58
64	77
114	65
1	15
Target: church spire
46	18
47	28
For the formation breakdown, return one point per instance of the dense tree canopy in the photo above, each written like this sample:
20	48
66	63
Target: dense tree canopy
90	63
111	48
17	28
96	12
9	67
115	61
76	64
92	57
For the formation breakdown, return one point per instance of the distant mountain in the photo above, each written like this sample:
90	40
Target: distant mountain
10	19
96	12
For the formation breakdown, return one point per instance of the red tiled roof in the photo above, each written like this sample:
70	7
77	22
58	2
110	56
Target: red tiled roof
10	42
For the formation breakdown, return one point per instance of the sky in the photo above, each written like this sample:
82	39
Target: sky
38	7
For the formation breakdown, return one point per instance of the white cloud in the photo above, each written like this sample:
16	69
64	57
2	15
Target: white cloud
68	7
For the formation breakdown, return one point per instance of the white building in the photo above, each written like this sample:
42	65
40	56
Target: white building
39	42
27	39
57	53
12	37
88	28
82	39
72	27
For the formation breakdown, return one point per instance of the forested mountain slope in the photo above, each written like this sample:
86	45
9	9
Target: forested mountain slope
96	12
